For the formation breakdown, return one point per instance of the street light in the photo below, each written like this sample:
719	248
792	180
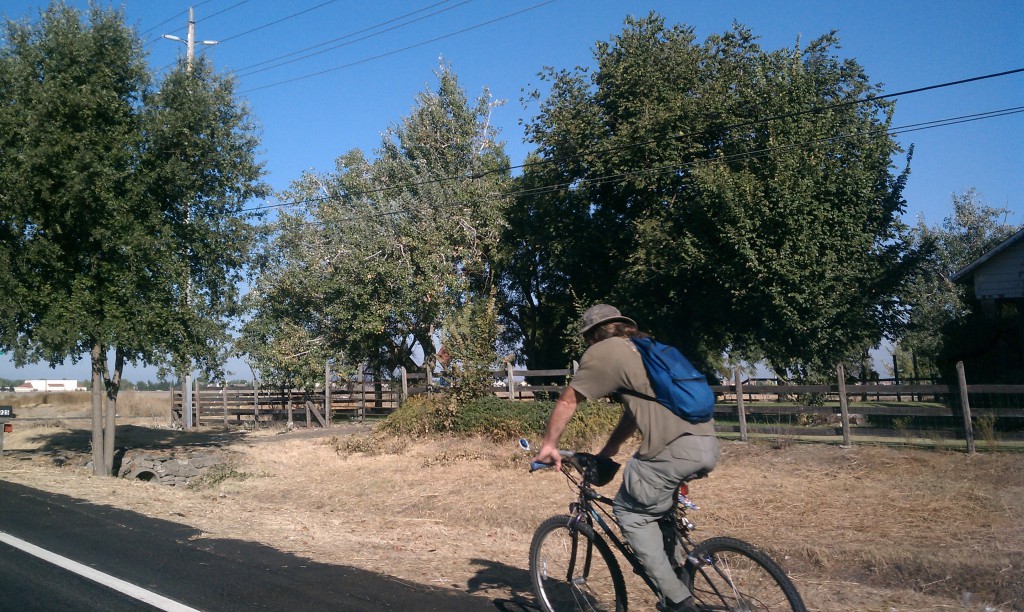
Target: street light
190	45
190	42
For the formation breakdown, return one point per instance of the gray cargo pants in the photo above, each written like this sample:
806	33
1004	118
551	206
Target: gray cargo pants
648	487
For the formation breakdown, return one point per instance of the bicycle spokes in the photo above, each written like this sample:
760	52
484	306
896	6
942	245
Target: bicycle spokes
735	579
572	571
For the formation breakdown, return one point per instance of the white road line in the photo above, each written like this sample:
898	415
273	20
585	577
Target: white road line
129	589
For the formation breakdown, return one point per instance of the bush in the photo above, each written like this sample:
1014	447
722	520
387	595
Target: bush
501	419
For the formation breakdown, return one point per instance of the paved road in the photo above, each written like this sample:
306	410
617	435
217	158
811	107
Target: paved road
158	557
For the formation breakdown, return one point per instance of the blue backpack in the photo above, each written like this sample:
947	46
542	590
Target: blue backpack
678	385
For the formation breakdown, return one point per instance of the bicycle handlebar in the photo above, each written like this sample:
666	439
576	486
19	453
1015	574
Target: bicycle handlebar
537	465
594	468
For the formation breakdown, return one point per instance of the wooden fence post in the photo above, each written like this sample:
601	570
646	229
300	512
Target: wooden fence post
224	392
175	418
741	410
291	409
405	386
965	405
256	402
362	393
896	377
429	378
844	407
196	395
327	393
511	383
186	403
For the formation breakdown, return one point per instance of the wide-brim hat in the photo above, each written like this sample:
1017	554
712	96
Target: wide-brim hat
602	313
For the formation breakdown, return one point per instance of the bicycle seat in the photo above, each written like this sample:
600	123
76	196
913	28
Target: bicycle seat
696	476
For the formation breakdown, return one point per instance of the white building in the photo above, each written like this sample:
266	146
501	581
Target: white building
48	386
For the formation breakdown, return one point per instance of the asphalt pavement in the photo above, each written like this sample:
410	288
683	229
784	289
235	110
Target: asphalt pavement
169	561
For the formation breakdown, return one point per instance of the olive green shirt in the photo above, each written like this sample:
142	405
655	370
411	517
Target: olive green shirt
613	366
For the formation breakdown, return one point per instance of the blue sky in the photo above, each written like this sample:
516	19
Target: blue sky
313	109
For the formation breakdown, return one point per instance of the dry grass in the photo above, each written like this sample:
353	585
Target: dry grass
130	404
861	529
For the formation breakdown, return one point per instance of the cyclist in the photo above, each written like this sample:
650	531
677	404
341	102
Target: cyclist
671	448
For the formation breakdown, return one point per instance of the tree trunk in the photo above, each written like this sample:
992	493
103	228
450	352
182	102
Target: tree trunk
113	388
97	410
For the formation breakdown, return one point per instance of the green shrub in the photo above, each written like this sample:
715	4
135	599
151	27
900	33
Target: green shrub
501	419
418	415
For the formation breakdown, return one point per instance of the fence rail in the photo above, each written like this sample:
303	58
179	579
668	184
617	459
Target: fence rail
879	409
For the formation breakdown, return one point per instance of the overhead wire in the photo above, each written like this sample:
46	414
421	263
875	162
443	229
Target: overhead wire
222	11
296	14
242	71
275	22
667	168
396	51
792	115
168	20
730	127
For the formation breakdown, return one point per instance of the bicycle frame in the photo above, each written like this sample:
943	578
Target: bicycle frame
590	509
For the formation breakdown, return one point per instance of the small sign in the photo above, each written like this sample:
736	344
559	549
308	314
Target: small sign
6	411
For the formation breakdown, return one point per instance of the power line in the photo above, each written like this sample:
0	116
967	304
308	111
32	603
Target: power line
370	28
242	71
233	6
756	154
811	111
413	46
170	19
606	150
286	18
669	168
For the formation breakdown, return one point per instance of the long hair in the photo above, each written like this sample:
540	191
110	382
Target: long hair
611	330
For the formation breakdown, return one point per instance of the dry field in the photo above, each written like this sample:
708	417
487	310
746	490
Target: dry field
869	528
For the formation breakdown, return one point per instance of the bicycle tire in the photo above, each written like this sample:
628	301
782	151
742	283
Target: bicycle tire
731	574
563	581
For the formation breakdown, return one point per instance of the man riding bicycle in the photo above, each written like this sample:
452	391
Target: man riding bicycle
671	449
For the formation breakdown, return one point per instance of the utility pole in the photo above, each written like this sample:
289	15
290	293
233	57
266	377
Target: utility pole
190	46
190	42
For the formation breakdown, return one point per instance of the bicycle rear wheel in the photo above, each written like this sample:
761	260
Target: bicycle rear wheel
733	575
573	570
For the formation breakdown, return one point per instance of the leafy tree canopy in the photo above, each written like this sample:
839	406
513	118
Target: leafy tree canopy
380	253
122	224
728	198
933	302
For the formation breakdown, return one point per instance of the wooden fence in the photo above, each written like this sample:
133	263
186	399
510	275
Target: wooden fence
926	413
840	410
232	404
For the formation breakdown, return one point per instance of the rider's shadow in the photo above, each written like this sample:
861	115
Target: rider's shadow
494	575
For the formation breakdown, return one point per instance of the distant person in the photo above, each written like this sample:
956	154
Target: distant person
671	450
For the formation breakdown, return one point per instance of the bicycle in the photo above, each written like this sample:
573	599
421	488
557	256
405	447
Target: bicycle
572	566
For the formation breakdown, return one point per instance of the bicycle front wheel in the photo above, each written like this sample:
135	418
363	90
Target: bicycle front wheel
573	570
731	574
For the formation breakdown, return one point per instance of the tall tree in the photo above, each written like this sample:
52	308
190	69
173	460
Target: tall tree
102	233
932	301
382	252
728	198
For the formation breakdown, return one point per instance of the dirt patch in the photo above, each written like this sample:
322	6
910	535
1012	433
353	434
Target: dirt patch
867	528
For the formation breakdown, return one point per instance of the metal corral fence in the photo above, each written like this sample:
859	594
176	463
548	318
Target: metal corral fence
928	414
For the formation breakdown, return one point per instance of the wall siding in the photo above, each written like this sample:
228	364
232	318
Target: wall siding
1002	277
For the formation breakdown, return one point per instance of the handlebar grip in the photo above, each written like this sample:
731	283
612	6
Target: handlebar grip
536	465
